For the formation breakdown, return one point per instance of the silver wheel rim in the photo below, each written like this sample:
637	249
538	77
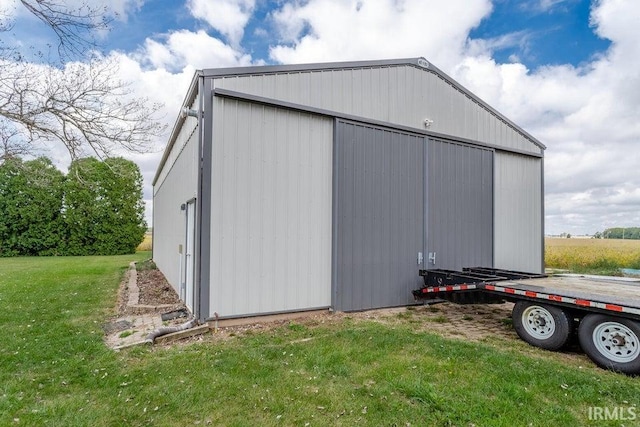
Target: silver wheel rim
616	342
538	322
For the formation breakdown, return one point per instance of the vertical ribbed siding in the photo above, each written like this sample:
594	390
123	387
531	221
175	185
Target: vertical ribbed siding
460	205
188	128
378	227
271	210
403	95
176	186
518	210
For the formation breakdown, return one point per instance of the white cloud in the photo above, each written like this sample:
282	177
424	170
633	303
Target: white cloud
477	47
329	30
120	8
587	117
161	86
186	48
229	17
162	71
547	5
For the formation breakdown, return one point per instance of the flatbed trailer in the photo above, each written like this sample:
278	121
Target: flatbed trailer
549	310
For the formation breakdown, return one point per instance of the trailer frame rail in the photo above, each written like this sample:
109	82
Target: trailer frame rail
440	283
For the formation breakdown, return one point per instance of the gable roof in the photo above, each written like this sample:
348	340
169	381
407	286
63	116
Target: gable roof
419	63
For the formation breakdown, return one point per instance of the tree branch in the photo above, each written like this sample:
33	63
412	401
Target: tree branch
84	106
74	28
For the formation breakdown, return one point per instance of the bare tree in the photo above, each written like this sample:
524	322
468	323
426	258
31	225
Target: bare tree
11	145
74	27
80	103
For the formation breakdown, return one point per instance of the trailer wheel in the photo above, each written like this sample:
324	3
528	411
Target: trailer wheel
541	325
611	342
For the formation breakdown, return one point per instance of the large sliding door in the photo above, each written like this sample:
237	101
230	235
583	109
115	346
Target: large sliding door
403	202
460	206
378	216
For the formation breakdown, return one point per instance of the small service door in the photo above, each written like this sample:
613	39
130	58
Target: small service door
189	258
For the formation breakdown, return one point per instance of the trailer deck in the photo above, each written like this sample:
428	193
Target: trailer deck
612	288
606	294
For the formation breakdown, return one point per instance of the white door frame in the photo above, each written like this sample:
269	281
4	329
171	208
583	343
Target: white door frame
189	254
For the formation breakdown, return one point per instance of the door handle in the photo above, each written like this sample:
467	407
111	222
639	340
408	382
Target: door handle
432	258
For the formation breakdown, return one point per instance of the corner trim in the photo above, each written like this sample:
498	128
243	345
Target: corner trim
334	216
204	190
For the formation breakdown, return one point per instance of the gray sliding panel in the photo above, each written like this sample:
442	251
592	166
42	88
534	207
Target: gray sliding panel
378	227
460	206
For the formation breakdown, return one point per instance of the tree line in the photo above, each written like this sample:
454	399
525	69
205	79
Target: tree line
632	233
95	209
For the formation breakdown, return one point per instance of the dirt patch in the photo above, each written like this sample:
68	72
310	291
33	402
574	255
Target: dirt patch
466	322
154	289
155	294
472	322
143	297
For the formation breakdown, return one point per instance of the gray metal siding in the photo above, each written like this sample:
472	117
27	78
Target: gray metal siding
460	205
378	214
270	210
177	183
404	95
518	212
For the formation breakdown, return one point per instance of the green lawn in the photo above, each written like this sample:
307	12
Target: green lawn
55	369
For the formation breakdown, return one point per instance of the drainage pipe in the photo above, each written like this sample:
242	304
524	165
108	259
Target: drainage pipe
169	330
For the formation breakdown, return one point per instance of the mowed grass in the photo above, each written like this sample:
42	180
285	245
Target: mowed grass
56	370
601	256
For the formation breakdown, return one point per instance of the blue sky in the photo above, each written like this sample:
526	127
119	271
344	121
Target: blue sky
533	33
567	71
553	34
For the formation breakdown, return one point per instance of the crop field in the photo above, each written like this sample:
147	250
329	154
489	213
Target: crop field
604	256
146	243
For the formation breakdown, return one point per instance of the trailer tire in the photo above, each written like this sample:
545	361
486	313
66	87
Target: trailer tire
611	342
542	325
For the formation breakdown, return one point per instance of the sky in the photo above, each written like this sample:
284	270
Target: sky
567	71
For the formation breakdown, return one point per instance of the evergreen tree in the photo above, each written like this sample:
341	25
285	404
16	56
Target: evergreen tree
104	211
31	206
